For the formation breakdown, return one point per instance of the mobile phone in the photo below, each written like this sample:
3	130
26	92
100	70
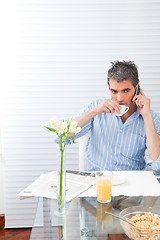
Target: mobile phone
137	90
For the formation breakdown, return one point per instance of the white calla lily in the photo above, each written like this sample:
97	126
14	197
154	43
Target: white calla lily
53	122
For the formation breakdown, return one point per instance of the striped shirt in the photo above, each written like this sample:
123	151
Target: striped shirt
113	145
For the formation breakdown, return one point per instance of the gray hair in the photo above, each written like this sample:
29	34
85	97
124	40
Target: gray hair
125	70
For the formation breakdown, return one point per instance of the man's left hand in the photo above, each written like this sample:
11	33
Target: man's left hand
143	103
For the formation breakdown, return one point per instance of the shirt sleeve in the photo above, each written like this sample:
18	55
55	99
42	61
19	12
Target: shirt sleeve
155	165
87	126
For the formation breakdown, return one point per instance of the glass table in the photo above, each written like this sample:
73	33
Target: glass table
85	218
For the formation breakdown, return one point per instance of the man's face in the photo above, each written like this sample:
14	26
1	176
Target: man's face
122	92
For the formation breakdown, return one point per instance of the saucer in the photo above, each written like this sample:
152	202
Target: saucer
117	180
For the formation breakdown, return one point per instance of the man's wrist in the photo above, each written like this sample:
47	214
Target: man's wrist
94	111
148	117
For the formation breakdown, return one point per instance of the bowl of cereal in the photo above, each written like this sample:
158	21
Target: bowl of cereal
147	222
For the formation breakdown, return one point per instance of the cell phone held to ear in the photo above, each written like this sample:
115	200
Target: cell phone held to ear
137	90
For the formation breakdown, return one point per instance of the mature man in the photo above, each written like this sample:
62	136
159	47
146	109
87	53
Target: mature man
126	142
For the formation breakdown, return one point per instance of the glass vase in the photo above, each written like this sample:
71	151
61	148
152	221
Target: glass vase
61	183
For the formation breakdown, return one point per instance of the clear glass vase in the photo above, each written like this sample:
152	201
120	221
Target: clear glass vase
61	183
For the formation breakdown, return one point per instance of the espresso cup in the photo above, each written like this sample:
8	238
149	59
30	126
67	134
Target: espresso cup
123	110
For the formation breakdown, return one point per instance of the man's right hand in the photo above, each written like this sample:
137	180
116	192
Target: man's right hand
108	106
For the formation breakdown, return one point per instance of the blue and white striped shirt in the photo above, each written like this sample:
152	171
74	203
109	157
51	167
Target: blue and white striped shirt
113	145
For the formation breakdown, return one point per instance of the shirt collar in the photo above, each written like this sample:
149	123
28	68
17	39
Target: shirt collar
134	116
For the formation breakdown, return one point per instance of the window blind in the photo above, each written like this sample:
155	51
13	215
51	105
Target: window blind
61	51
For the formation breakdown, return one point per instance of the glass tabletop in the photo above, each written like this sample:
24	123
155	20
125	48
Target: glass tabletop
85	218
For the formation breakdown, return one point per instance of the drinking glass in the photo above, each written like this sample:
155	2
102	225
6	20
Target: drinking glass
104	186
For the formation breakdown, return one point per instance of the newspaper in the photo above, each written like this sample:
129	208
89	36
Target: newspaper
46	186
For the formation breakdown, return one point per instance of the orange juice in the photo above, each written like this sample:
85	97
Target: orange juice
104	187
101	209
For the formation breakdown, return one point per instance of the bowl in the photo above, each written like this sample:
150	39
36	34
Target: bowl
147	232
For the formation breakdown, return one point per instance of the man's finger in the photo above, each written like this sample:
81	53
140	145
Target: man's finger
114	106
141	91
107	110
135	98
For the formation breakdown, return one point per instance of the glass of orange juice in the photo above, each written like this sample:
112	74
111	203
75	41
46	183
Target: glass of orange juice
104	186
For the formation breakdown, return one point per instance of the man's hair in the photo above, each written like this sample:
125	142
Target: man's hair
125	70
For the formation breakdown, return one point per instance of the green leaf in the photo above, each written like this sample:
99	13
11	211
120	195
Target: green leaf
73	140
51	129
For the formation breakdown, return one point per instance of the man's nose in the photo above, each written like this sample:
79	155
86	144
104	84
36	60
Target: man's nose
119	98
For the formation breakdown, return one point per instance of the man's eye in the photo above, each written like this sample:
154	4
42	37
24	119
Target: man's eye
126	90
114	91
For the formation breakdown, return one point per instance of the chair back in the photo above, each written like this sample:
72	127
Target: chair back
82	145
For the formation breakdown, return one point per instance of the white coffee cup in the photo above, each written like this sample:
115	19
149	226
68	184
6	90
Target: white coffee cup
123	110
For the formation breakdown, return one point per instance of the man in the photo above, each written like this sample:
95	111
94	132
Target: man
124	142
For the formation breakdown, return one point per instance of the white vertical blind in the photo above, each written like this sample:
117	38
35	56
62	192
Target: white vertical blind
61	53
1	179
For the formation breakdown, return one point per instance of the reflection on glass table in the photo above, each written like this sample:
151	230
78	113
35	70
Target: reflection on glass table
85	218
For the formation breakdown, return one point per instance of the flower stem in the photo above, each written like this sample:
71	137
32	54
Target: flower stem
61	170
61	180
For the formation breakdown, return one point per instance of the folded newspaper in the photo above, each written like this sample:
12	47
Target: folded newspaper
46	186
